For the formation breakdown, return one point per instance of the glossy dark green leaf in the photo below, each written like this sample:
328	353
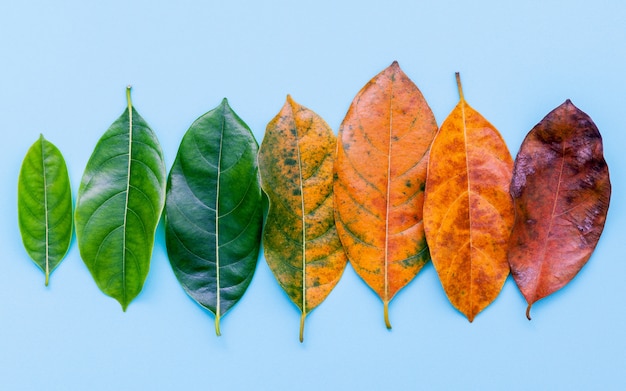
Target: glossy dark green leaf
44	205
120	200
213	210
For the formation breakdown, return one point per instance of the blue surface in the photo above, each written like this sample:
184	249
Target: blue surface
64	66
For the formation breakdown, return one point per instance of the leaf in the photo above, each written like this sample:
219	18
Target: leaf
119	204
380	171
561	191
300	239
468	212
44	205
213	210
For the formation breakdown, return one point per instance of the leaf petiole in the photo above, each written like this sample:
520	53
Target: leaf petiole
386	312
302	326
217	325
459	86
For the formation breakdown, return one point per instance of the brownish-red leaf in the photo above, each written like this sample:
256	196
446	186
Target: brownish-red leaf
561	191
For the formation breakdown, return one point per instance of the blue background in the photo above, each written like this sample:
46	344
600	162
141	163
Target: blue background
64	66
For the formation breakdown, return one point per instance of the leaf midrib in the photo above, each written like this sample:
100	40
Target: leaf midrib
542	258
469	195
46	210
387	201
303	218
126	202
217	226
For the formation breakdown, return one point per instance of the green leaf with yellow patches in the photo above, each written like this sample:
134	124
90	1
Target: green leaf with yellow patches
300	240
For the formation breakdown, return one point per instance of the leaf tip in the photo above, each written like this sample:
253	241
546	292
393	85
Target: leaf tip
291	104
224	107
569	105
395	64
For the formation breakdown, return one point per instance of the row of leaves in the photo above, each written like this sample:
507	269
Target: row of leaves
389	193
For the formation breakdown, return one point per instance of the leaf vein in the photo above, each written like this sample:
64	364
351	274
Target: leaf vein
354	235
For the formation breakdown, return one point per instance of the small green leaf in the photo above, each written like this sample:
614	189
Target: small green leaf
44	205
214	210
120	200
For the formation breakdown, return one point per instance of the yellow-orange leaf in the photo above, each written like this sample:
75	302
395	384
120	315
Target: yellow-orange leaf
300	240
468	212
380	172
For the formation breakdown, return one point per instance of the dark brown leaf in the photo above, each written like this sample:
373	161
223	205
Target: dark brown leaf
561	192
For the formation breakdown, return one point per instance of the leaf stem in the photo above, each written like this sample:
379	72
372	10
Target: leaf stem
302	326
458	84
130	103
217	325
528	312
386	312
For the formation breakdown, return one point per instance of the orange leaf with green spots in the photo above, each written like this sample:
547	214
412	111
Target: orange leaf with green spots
380	171
300	240
468	212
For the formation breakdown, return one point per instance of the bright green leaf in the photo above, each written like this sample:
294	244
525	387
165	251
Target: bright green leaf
44	205
214	211
120	200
